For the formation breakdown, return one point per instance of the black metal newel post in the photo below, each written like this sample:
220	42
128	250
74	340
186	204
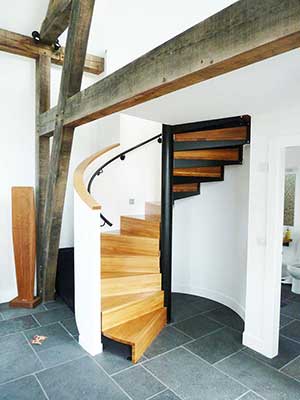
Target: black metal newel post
167	215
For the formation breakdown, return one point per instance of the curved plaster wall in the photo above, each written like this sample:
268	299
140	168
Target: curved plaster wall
210	239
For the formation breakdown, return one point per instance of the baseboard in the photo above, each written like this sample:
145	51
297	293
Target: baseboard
92	347
212	295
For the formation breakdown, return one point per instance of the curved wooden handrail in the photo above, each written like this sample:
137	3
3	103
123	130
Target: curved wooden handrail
78	181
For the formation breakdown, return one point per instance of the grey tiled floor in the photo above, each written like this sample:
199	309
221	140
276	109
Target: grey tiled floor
198	357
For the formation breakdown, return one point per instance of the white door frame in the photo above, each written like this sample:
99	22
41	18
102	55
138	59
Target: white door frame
275	207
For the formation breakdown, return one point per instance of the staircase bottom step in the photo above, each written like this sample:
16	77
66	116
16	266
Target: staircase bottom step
139	333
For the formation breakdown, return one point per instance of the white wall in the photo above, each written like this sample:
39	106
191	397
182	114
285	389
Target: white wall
262	275
137	177
17	147
210	239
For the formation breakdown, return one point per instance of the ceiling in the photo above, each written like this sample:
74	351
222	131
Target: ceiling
259	88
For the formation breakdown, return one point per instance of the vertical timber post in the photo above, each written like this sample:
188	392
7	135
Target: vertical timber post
167	215
76	47
42	152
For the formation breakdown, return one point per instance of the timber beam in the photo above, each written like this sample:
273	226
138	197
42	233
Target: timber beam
56	21
72	72
22	45
244	33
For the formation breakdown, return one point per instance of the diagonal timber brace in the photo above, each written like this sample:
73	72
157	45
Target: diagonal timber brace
80	21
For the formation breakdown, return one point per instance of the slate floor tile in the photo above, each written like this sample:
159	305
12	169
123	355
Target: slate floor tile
166	395
264	380
168	339
291	310
26	388
56	315
284	320
192	378
51	305
138	383
70	325
78	380
115	356
198	326
56	336
183	298
250	396
19	312
292	330
12	343
226	316
16	364
295	297
217	346
288	351
16	325
293	369
184	310
204	304
61	354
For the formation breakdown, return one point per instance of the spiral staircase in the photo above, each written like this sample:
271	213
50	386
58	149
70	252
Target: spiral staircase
133	310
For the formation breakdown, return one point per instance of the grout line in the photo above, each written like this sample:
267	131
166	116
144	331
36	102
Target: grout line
159	380
16	379
110	377
39	324
43	390
288	323
287	364
241	397
180	331
289	338
68	332
156	394
225	358
34	351
213	366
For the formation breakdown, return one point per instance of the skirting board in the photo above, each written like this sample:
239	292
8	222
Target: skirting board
92	348
212	295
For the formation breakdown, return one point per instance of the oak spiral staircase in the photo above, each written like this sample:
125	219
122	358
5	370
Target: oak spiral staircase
133	310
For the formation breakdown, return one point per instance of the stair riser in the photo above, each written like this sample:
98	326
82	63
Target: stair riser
117	317
122	245
186	146
130	284
202	163
145	264
152	332
179	196
152	209
139	227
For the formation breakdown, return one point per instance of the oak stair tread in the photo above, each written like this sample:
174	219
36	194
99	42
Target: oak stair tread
113	303
222	154
120	274
139	332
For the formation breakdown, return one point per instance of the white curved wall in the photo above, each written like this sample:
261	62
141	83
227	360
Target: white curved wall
210	239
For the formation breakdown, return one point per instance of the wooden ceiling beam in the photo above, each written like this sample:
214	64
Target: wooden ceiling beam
244	33
25	46
56	20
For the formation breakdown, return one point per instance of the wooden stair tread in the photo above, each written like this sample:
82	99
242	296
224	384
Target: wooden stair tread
185	187
236	133
116	242
113	303
119	274
207	172
220	154
139	332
